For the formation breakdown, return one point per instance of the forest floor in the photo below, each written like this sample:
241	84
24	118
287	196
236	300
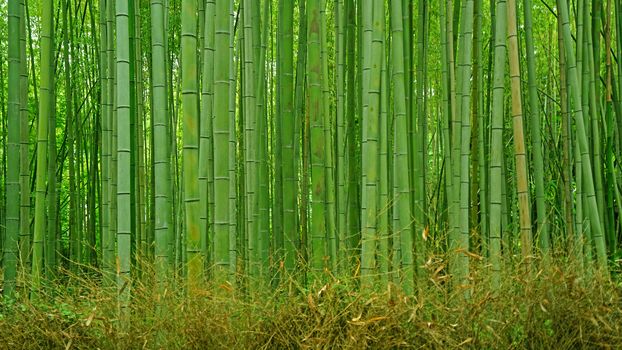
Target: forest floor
556	307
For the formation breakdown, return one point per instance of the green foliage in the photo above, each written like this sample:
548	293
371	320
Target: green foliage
553	308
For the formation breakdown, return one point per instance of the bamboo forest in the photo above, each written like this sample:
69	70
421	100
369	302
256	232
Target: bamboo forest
310	174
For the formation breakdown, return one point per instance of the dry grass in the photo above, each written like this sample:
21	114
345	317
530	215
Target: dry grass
556	307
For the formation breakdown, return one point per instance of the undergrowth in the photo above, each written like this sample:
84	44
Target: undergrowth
554	307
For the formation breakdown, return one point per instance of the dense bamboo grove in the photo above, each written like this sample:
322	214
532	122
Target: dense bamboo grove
251	142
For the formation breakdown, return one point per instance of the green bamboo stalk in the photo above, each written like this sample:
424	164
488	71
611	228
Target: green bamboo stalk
52	197
173	156
242	158
24	154
353	219
618	86
123	150
407	25
190	98
453	197
565	135
341	150
610	135
496	144
74	243
365	31
285	70
249	140
10	245
446	114
45	109
132	95
594	96
596	100
163	225
206	141
105	137
522	180
384	255
233	180
329	164
202	15
222	259
300	131
141	204
262	204
464	101
110	241
3	141
478	204
401	191
419	152
318	243
536	133
278	238
371	115
584	80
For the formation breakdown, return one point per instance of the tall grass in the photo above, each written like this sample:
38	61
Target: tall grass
554	307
